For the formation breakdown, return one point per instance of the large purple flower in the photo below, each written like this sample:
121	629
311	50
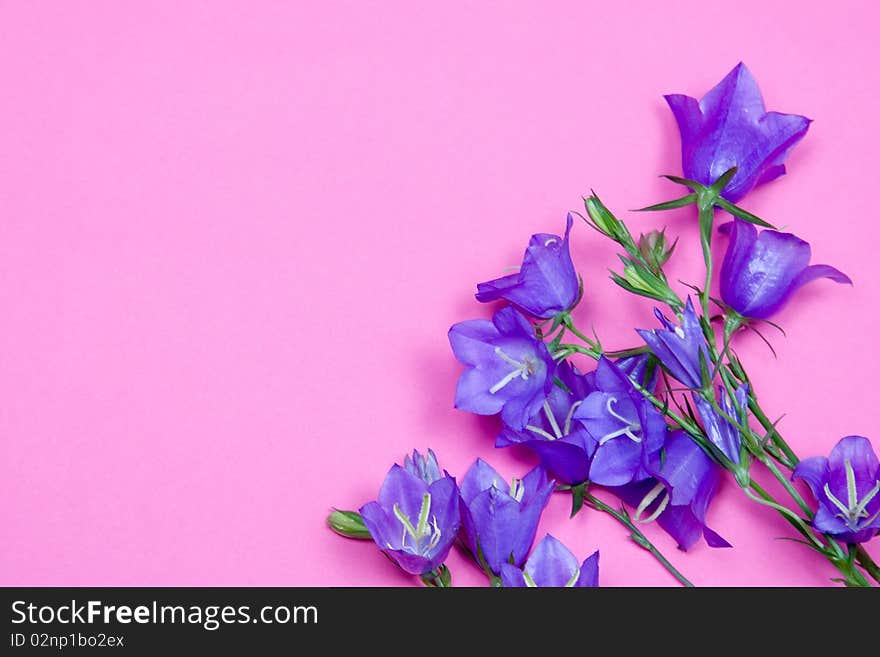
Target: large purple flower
679	347
508	370
500	520
551	564
546	283
413	522
682	484
624	427
761	272
562	444
721	432
847	487
730	127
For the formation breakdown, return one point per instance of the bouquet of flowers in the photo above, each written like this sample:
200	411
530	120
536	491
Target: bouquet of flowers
656	425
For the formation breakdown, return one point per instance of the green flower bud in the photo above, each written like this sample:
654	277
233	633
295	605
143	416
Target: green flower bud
654	249
348	524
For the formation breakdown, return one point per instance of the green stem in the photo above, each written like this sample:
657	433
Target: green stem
569	324
706	219
637	536
865	561
786	484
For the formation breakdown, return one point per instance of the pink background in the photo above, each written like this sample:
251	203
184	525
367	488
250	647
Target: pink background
233	237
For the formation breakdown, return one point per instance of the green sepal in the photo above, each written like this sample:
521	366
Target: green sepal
687	182
745	215
718	186
440	578
577	498
684	201
348	524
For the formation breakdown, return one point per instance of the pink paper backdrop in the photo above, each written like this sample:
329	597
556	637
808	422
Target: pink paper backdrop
233	236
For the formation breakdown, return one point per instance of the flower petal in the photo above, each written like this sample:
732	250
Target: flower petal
551	563
479	477
589	576
814	472
512	577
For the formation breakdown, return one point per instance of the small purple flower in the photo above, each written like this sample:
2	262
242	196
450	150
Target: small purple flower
425	467
677	496
846	485
499	521
551	564
413	522
624	427
730	127
546	283
679	347
721	432
508	370
562	444
761	272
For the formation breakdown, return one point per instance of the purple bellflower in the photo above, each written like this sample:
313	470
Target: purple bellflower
425	467
508	370
500	520
730	127
761	272
847	487
562	444
551	564
624	427
546	283
413	522
678	493
721	432
679	347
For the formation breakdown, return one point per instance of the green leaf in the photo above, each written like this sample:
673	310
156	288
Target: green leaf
348	524
745	215
690	199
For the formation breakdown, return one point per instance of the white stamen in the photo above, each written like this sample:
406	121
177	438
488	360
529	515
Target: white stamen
852	495
570	416
552	240
679	332
625	431
552	419
648	499
523	370
517	489
855	511
540	432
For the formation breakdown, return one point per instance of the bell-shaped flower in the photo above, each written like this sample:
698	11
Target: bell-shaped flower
721	431
508	370
499	520
847	487
546	283
624	426
678	347
562	444
761	272
730	127
413	522
682	484
551	564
